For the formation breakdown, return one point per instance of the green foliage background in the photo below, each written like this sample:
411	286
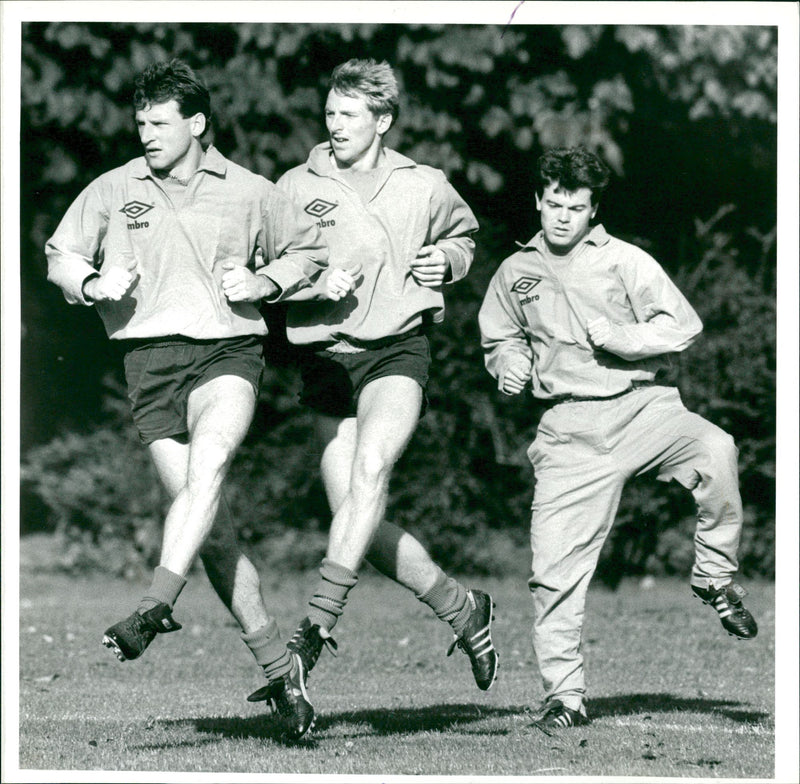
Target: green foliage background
686	118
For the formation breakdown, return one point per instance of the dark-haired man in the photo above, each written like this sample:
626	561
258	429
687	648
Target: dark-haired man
402	232
175	250
589	320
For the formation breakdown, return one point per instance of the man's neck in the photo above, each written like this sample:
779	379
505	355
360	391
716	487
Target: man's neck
373	159
183	170
561	254
564	254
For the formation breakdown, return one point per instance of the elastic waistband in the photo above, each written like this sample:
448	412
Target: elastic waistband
130	344
353	345
579	399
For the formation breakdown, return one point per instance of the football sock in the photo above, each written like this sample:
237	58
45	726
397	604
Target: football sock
329	598
269	652
166	587
449	602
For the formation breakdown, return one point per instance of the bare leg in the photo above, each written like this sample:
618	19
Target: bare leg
393	552
230	571
358	456
388	411
219	415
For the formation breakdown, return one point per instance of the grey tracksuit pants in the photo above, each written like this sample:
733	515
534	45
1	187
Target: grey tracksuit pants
583	454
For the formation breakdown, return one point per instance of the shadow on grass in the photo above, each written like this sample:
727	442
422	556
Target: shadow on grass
390	721
377	721
384	721
636	704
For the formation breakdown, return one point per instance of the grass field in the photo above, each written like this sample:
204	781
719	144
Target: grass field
671	694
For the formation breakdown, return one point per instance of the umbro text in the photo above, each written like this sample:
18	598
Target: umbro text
137	225
528	300
324	223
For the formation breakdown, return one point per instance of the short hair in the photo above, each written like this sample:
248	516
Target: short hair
573	168
371	80
173	80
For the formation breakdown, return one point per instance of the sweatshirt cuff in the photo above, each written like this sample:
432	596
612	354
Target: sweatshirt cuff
457	267
84	299
70	277
280	280
513	359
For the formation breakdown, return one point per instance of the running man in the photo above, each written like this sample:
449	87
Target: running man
175	250
402	233
589	320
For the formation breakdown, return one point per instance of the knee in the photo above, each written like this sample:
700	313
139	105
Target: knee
719	447
371	467
210	458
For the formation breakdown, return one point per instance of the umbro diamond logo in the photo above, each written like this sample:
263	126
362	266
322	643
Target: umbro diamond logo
135	209
525	284
319	207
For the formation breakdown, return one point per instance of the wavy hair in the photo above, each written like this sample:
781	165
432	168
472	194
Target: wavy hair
371	80
173	80
573	168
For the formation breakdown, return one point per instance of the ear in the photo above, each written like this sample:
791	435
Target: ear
197	124
384	123
594	211
538	203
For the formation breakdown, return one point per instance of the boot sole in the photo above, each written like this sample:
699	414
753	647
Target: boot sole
112	646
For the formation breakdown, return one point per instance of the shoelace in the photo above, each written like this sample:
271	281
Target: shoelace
480	642
307	649
328	641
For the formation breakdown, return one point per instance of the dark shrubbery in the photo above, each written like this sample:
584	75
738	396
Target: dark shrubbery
464	486
685	117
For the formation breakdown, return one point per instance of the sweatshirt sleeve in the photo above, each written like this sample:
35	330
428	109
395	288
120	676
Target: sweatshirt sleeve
666	322
295	253
452	226
503	338
75	251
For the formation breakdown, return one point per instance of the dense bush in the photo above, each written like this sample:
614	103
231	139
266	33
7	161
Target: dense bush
464	486
686	118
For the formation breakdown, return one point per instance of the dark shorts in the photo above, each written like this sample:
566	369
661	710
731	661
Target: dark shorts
161	373
332	382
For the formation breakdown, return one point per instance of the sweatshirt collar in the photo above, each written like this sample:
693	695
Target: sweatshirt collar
597	236
212	161
320	160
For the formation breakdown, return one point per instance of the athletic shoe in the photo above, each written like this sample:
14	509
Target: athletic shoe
308	641
288	698
476	640
557	716
129	638
727	601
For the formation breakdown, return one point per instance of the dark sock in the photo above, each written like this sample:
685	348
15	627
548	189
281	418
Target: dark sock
330	597
165	588
449	601
269	652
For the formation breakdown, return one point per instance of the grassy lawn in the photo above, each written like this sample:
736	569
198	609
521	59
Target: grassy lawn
671	694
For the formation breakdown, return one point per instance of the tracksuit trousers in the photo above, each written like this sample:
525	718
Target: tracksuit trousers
583	454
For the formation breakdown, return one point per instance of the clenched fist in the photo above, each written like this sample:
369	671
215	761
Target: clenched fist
341	282
111	285
430	267
515	377
605	334
241	285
